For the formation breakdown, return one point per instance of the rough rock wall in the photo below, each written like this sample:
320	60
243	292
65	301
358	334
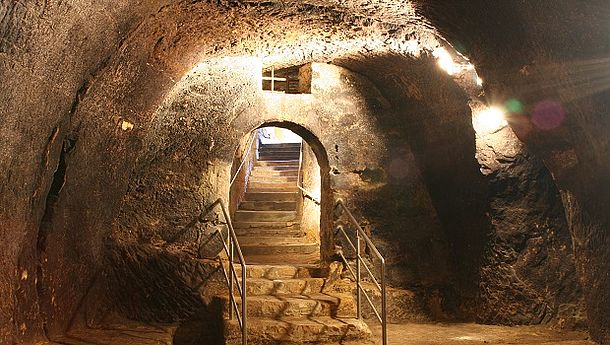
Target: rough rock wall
243	162
501	212
50	52
549	56
310	220
529	273
433	118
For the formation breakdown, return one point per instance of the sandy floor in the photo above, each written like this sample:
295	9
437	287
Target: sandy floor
466	334
399	334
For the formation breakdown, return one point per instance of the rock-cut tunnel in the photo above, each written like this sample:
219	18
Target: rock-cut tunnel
465	142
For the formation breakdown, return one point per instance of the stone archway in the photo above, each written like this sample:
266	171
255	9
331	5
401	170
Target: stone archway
282	190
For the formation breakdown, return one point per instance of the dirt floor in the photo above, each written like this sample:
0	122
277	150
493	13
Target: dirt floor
399	334
468	333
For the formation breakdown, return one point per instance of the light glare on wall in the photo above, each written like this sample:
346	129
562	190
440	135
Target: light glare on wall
489	120
446	63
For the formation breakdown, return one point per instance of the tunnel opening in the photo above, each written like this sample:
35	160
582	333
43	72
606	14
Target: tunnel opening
274	197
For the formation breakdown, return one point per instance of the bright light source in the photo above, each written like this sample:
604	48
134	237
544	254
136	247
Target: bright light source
479	81
489	121
445	61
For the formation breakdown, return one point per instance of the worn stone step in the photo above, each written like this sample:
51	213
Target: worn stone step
279	163
280	146
273	178
266	171
307	305
288	259
274	152
253	245
292	232
274	170
280	271
287	186
294	189
271	196
278	157
291	286
267	225
265	148
268	205
314	330
264	216
273	241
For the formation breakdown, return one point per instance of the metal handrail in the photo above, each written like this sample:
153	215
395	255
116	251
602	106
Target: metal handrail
383	317
299	184
254	135
230	246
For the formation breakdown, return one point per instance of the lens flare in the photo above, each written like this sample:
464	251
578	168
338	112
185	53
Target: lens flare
513	105
548	115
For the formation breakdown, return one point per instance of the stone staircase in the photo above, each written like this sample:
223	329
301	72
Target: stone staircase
267	222
288	304
289	301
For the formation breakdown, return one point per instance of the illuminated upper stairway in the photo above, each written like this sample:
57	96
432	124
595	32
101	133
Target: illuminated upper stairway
268	220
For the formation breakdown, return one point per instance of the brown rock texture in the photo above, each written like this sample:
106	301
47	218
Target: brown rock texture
120	120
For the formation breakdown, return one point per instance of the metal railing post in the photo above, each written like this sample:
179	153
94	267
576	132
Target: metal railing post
384	314
358	277
380	285
231	276
244	308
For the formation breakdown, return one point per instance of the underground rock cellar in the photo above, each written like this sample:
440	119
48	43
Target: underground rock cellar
304	172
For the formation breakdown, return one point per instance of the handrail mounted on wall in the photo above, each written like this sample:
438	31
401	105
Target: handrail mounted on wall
230	245
380	285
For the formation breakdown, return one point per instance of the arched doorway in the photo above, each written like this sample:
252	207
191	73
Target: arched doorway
277	201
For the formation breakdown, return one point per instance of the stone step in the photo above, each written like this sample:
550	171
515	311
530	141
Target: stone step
294	189
291	286
294	164
279	157
264	173
268	205
273	178
287	186
265	216
273	241
292	232
315	330
279	271
253	245
313	304
271	196
275	166
266	148
279	151
280	146
266	225
288	259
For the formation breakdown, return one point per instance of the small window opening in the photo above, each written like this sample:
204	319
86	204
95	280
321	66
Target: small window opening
294	80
